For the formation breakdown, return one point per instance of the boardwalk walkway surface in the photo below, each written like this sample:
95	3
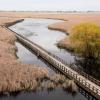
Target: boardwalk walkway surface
82	81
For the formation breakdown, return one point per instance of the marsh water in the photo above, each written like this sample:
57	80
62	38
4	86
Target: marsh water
37	31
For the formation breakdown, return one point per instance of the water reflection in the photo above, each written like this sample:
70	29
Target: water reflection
39	27
56	94
90	66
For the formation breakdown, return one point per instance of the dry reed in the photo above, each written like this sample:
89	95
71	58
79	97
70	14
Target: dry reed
15	76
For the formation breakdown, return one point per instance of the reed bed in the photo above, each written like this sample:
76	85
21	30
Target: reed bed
58	81
70	86
7	36
15	76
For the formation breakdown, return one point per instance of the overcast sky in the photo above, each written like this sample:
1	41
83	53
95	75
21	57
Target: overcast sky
66	5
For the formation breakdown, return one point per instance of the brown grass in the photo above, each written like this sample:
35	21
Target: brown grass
15	76
59	81
71	19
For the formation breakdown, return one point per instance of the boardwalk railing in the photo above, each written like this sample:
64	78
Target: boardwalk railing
79	77
72	66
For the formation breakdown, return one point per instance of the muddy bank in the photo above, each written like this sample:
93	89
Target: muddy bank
12	23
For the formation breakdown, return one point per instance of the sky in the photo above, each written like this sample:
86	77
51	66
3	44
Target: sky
50	5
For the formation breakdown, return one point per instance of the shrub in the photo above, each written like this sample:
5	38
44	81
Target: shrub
85	39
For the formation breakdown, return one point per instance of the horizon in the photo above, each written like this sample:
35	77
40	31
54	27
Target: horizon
49	5
47	11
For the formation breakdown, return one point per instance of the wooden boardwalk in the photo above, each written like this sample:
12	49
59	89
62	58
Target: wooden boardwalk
59	64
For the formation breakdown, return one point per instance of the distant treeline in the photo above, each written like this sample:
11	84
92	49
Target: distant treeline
53	11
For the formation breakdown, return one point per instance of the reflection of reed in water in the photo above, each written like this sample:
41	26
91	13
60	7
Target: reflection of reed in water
86	94
90	66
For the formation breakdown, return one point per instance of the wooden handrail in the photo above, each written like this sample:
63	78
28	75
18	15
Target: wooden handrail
63	66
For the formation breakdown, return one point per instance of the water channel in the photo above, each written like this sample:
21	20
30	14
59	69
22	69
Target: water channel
37	31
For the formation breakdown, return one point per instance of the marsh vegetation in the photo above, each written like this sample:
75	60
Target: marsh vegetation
85	40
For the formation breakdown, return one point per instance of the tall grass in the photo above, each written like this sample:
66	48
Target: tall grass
15	76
